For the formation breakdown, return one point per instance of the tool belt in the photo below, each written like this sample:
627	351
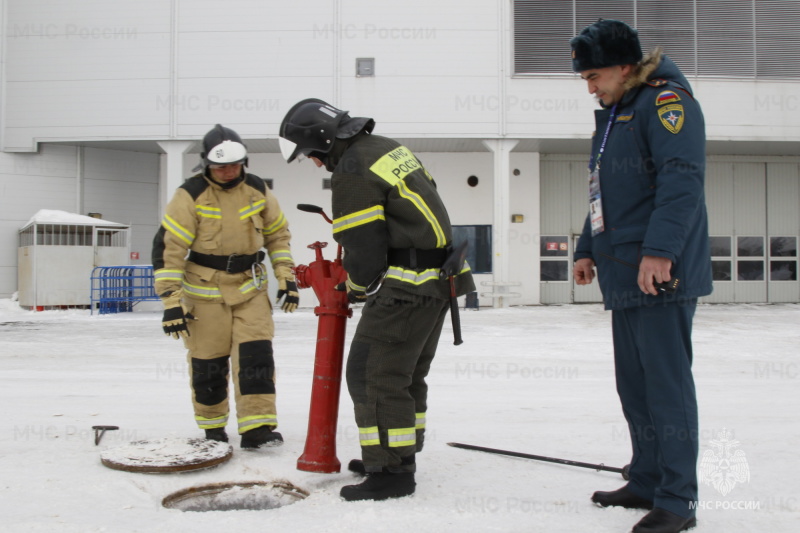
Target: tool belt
415	258
232	264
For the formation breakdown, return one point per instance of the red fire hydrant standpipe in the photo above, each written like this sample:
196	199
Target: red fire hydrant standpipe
323	275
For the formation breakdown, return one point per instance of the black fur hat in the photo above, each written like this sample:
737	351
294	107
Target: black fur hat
605	43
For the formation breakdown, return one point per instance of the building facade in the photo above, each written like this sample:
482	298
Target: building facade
102	105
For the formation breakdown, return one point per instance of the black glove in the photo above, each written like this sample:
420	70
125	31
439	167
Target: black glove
353	296
175	315
288	288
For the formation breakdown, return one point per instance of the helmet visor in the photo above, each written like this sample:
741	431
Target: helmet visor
289	150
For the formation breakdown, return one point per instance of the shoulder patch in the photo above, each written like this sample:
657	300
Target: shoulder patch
671	117
667	97
657	82
195	186
624	118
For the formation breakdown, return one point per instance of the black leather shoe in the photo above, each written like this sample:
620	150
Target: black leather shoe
621	498
663	521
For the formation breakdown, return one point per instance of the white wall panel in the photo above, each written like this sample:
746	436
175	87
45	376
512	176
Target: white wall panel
253	15
123	186
272	53
251	106
63	58
87	18
30	182
417	107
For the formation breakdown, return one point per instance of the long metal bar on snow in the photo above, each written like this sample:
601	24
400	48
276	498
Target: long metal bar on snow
623	471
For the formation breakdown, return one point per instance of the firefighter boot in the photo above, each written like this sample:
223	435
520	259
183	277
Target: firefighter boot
380	486
357	465
261	437
217	434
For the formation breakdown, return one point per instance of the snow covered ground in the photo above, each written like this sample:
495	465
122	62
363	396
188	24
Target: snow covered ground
537	380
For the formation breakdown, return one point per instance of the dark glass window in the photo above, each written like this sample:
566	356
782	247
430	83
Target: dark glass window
479	253
720	246
554	271
783	271
783	246
554	246
750	270
721	270
750	246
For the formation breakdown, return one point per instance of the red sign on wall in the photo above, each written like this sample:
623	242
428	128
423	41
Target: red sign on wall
134	255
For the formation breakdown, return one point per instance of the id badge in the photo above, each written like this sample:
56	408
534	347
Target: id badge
595	203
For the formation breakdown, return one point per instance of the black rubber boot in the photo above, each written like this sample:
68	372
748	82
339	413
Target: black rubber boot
217	434
380	486
261	437
357	465
621	498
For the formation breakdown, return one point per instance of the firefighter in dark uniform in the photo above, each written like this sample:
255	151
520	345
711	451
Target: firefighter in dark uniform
396	236
216	299
647	234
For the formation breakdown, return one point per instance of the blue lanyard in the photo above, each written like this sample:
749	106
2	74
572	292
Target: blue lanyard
595	163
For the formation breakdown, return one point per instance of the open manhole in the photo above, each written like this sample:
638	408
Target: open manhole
237	496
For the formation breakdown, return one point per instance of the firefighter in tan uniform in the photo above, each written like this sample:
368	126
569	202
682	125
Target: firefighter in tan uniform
397	239
207	257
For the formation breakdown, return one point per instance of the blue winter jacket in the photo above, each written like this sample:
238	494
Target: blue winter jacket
652	175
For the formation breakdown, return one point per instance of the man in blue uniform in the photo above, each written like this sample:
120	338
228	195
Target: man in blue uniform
647	234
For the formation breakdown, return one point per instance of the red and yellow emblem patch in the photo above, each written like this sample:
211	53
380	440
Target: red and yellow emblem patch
671	117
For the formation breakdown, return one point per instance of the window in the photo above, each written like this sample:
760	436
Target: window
742	38
554	251
750	269
479	253
785	268
721	258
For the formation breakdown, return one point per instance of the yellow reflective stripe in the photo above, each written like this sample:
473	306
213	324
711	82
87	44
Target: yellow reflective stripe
279	256
369	436
420	424
211	423
396	165
251	422
208	212
466	268
359	218
252	209
201	292
251	285
426	211
275	226
402	437
354	286
412	277
168	275
176	229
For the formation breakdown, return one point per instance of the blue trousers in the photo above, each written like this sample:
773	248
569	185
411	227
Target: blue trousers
653	363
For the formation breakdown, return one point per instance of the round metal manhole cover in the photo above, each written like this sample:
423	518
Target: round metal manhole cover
236	496
167	455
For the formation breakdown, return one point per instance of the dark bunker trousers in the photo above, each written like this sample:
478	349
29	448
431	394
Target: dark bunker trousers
390	356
